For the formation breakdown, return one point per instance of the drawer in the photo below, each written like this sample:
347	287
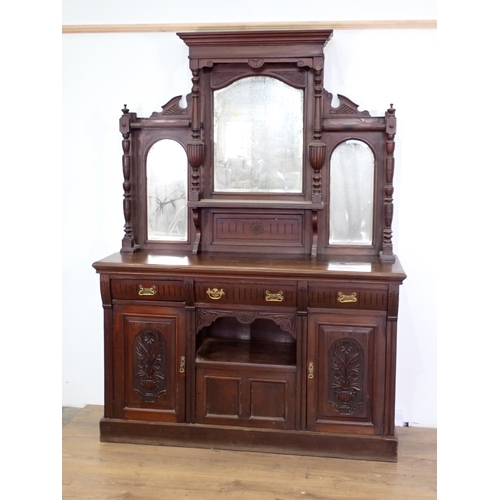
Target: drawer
146	289
246	293
347	296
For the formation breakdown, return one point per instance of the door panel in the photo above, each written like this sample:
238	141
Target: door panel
149	363
345	382
246	396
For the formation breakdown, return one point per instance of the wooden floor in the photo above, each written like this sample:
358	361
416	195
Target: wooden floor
95	470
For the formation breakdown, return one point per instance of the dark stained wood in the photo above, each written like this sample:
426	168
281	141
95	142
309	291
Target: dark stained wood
232	394
231	339
148	380
247	352
170	264
348	356
255	333
262	440
217	60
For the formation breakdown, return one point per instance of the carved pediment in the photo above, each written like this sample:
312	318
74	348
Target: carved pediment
346	107
174	109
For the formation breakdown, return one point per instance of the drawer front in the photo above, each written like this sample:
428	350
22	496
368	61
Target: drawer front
347	296
246	293
145	289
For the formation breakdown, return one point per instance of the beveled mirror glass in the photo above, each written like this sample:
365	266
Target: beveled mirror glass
258	137
166	172
352	170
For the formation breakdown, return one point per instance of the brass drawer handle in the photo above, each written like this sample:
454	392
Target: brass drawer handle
310	370
344	299
274	297
215	293
147	291
182	367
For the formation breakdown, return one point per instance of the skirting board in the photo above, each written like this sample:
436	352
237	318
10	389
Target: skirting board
353	446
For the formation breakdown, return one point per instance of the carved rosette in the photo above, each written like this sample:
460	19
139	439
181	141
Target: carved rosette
149	365
345	377
256	228
256	63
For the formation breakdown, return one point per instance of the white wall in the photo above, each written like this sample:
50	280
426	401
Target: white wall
374	68
241	11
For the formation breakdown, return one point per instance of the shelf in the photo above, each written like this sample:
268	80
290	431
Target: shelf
256	204
246	352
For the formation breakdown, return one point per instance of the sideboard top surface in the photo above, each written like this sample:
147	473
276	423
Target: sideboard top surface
251	264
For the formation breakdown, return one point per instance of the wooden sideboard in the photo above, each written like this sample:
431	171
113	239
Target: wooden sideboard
287	355
253	304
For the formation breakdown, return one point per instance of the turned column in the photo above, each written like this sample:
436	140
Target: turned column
386	255
196	154
317	150
128	243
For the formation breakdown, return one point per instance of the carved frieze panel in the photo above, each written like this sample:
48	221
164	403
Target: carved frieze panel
295	78
258	228
219	79
286	321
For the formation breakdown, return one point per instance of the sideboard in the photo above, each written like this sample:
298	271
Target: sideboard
253	304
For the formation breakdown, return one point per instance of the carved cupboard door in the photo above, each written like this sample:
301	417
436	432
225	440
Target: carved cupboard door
345	373
149	363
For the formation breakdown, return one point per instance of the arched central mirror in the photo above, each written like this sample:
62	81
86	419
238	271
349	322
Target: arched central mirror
258	137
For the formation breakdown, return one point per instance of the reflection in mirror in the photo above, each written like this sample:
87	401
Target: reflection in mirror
352	169
258	136
166	172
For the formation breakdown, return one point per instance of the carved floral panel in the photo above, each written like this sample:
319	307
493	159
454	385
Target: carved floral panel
149	365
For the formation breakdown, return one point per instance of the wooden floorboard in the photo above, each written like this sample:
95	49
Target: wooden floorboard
95	470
